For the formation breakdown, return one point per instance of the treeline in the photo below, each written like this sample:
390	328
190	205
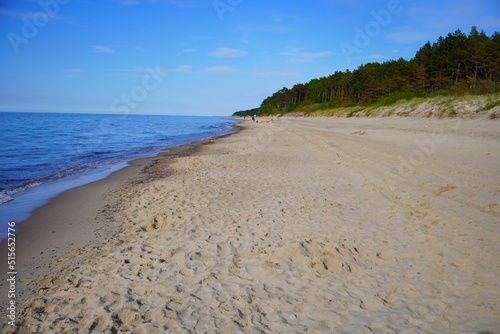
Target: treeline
249	112
455	64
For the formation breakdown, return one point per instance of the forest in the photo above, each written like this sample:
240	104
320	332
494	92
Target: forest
457	64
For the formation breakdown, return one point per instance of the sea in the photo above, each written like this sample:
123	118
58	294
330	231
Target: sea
44	154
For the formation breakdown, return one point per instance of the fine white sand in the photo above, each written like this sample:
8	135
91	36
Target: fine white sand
324	225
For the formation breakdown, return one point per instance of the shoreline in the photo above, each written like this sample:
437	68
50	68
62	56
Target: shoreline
90	159
293	226
27	201
78	217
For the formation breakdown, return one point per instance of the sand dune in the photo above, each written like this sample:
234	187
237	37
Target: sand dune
302	225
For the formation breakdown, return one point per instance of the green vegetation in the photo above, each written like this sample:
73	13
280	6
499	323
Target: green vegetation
244	113
490	105
455	65
440	106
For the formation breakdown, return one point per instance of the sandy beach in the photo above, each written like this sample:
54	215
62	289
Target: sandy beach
317	225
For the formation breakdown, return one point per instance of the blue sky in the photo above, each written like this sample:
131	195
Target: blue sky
204	57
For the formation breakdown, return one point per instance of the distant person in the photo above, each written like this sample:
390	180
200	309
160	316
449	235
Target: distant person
253	118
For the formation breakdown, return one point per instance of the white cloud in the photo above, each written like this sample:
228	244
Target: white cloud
275	73
129	2
183	69
408	36
102	49
279	18
227	53
31	15
266	29
175	3
182	52
219	69
373	56
6	12
155	69
306	57
72	73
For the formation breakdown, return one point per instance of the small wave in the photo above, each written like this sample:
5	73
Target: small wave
6	194
80	169
4	198
101	152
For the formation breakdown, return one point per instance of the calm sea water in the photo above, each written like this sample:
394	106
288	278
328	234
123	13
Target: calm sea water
43	154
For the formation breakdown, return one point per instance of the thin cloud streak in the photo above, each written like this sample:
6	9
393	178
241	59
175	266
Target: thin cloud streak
219	69
227	53
102	49
306	57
